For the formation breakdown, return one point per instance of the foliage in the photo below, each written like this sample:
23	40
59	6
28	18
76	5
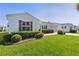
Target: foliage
73	31
16	38
2	34
7	37
39	35
61	32
26	34
48	31
77	6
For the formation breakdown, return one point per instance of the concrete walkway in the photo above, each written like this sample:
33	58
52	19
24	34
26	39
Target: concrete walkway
50	34
72	34
25	40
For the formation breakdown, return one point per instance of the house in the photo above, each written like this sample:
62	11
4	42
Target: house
27	22
22	22
67	27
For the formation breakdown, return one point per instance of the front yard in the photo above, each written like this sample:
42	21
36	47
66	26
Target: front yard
53	45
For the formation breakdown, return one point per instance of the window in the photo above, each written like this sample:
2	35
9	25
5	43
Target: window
8	25
28	23
23	23
70	27
65	27
25	26
44	26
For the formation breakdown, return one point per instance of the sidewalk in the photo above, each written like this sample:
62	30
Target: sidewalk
72	34
50	34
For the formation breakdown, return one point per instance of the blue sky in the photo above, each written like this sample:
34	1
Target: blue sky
54	12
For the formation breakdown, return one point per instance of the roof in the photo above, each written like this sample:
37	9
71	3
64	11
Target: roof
23	14
66	24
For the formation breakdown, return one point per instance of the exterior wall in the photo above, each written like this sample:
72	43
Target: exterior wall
13	21
68	27
55	26
50	25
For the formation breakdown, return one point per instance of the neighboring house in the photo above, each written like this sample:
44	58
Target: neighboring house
67	27
77	28
2	28
23	22
50	25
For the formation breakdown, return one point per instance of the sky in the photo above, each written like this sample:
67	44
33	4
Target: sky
52	12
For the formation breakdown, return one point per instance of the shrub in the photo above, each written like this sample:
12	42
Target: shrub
61	32
16	38
25	34
39	35
48	31
73	31
7	37
2	34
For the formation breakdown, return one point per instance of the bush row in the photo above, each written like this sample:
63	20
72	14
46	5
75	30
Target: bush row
73	31
17	36
48	31
26	34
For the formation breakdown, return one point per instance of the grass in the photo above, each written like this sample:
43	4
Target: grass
54	45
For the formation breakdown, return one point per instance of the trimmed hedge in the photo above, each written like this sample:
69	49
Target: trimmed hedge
73	31
61	32
26	34
48	31
39	35
7	37
12	37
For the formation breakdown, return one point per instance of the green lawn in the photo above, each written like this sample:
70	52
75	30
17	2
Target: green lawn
55	45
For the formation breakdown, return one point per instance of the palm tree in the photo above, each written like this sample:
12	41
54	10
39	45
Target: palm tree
77	6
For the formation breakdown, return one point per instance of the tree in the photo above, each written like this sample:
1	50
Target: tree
77	6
